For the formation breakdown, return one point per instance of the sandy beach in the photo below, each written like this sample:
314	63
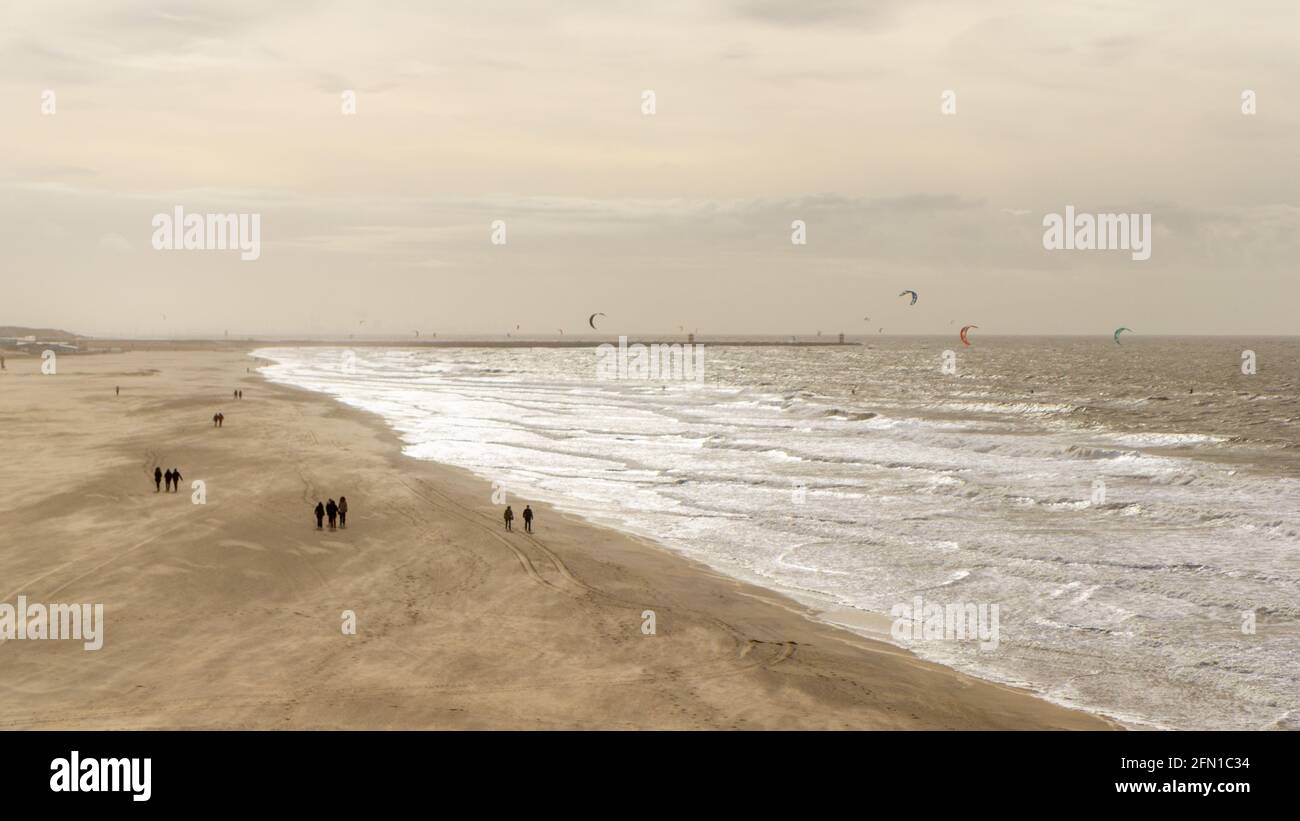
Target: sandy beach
228	614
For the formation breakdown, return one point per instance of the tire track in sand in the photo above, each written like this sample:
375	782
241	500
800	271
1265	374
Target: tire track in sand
744	645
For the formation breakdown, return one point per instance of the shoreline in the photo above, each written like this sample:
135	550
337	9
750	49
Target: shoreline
863	624
226	615
867	625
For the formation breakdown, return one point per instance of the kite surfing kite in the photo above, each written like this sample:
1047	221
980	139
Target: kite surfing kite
591	320
962	334
913	293
1119	331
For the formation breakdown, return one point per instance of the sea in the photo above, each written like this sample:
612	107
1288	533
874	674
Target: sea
1132	509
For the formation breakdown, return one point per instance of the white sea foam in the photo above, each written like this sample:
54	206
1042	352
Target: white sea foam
857	501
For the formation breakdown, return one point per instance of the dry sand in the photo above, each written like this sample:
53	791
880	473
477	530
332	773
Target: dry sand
228	614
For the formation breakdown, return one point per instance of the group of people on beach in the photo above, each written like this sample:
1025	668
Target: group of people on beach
239	394
218	419
172	477
336	512
528	518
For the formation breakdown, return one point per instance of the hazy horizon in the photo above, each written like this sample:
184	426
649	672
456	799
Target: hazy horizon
592	337
827	112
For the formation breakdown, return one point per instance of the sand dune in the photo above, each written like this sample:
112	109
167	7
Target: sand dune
228	614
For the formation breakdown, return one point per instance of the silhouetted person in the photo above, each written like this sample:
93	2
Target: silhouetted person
510	517
343	511
117	391
528	519
332	510
157	479
214	420
176	480
168	477
221	420
235	394
320	516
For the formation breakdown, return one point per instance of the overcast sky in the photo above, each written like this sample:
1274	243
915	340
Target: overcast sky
825	111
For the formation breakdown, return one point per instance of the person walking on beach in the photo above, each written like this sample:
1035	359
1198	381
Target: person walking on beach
332	511
320	516
157	479
221	420
117	390
510	517
528	519
168	477
176	479
214	420
343	511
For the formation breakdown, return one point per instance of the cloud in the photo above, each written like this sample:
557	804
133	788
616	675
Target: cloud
825	111
116	243
816	12
48	173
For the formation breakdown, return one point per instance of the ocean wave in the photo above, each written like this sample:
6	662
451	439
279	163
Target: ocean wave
792	484
1087	452
851	416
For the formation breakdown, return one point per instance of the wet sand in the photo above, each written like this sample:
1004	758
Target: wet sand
228	614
